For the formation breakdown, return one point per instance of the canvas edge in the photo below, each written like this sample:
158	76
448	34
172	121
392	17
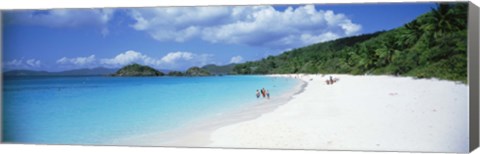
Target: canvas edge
473	75
1	77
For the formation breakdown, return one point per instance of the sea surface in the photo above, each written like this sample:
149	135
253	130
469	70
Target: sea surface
97	110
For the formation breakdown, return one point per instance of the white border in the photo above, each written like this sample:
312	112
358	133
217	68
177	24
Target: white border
46	4
61	149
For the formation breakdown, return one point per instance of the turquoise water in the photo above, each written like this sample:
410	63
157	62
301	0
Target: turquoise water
97	110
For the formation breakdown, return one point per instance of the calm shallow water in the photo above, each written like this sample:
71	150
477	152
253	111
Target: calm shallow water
96	110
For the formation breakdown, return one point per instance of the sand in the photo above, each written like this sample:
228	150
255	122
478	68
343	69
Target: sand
383	113
368	113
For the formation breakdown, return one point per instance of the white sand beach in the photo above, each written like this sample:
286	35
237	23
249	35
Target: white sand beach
383	113
368	113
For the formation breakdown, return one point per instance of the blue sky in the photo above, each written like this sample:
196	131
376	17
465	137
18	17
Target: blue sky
176	38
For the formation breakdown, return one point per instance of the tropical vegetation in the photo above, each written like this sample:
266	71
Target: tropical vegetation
432	45
196	71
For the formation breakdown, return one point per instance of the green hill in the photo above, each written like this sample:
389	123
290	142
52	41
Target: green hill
175	73
432	45
137	70
219	70
196	71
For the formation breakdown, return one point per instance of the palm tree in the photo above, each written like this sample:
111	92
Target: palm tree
448	17
442	18
412	33
460	12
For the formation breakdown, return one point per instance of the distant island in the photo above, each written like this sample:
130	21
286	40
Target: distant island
137	70
129	70
99	71
220	70
196	71
142	70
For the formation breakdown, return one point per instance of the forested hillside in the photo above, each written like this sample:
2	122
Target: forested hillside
432	45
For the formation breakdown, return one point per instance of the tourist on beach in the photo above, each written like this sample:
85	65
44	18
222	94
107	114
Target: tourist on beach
258	94
330	80
263	92
268	94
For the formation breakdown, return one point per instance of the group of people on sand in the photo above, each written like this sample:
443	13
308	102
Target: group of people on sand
263	92
331	80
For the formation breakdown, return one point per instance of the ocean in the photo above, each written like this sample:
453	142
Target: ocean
96	110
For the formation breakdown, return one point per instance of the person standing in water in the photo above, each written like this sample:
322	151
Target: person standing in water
258	94
263	92
268	94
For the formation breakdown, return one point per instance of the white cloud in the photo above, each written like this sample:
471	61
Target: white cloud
22	64
310	39
177	23
63	18
350	28
79	61
33	62
252	25
174	56
126	58
172	60
183	60
15	62
178	60
236	59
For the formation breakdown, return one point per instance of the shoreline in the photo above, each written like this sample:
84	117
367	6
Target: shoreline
360	113
197	133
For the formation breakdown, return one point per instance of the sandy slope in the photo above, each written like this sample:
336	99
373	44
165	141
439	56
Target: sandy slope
361	113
